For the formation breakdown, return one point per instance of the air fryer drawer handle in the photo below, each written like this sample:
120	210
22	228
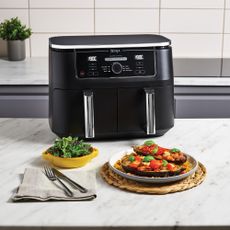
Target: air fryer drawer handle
89	114
150	112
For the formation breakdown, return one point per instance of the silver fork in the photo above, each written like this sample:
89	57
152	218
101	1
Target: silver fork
51	176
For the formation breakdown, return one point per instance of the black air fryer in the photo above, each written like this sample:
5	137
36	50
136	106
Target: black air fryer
110	86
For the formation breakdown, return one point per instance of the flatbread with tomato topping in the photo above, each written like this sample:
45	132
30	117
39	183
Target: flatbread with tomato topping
151	160
173	155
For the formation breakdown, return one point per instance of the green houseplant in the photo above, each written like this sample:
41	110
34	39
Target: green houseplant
15	33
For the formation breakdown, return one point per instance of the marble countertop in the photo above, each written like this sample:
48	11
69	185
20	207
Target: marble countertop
31	71
34	71
23	140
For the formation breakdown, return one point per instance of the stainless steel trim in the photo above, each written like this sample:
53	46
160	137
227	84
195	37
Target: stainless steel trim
150	111
160	44
89	114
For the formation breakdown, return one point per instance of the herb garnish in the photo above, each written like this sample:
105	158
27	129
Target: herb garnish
68	147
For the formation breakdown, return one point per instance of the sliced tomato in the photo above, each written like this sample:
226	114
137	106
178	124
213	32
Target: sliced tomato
155	164
137	158
134	164
147	149
170	166
161	150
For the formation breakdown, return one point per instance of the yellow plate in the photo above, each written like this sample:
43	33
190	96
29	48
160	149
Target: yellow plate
74	162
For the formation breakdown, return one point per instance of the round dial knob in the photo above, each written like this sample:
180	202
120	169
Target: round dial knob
116	68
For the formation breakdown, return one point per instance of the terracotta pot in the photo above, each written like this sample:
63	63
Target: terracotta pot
16	50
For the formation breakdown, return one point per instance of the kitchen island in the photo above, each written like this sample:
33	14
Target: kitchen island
204	207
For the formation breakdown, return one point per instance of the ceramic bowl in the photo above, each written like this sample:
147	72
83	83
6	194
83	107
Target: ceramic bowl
74	162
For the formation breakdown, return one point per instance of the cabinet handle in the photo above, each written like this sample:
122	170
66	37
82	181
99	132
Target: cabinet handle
89	114
150	112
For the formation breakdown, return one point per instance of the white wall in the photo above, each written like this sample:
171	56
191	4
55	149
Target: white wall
197	28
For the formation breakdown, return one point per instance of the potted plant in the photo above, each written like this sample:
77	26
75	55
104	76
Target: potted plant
15	33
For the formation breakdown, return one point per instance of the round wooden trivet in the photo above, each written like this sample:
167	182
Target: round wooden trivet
192	181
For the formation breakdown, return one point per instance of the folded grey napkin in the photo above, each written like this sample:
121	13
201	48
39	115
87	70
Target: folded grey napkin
36	186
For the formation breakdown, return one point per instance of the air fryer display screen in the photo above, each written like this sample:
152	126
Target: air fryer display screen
115	62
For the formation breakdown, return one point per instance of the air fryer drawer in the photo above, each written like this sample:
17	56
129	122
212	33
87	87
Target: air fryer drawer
68	107
69	112
105	111
131	110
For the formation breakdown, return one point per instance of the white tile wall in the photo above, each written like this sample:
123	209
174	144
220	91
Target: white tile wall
197	28
13	3
226	53
191	21
40	43
227	21
127	4
61	4
227	4
196	45
130	20
192	4
67	20
22	14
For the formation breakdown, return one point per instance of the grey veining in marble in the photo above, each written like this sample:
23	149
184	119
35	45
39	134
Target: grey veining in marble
23	140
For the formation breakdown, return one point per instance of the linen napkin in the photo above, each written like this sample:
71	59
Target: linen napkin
36	186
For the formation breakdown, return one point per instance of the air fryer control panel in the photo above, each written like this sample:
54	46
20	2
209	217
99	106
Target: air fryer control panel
115	62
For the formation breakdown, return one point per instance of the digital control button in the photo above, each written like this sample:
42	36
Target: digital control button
93	74
105	68
116	68
139	63
92	64
82	73
140	72
92	69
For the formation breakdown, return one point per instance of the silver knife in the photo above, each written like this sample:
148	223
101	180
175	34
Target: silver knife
73	183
